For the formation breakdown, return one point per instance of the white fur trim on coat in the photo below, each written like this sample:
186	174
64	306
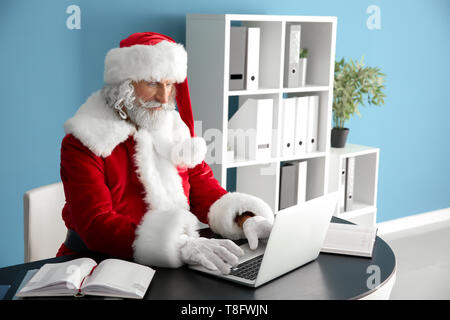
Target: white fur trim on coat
164	60
98	127
189	152
160	178
158	241
224	210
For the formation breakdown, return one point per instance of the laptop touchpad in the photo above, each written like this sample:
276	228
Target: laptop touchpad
249	253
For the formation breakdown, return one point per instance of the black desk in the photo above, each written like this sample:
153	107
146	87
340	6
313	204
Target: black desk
328	277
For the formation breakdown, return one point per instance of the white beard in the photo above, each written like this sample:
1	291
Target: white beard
142	114
145	115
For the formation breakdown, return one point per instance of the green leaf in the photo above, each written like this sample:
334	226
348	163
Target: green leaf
355	83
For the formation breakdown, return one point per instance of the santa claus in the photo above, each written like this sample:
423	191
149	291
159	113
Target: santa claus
134	174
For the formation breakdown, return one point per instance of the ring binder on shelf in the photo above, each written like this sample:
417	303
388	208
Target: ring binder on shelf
313	122
252	75
238	39
301	125
288	126
342	182
349	187
292	73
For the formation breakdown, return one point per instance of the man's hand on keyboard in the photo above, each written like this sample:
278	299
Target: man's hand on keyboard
221	254
255	228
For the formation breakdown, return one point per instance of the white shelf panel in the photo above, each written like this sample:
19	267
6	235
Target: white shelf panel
303	156
252	92
359	208
352	150
251	17
306	88
241	162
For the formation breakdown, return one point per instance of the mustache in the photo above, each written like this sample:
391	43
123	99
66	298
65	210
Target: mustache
155	104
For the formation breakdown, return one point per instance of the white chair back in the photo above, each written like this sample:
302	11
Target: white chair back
44	228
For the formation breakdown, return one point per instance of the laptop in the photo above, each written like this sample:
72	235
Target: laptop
297	236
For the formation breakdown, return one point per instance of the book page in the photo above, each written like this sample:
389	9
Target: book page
352	239
59	277
116	277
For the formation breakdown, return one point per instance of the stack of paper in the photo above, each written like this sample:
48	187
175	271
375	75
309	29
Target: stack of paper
350	239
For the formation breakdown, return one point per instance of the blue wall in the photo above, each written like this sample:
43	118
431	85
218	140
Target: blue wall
47	72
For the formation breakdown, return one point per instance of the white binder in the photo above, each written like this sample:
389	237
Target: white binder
342	183
301	181
292	73
313	122
238	40
288	126
252	72
349	187
301	125
250	129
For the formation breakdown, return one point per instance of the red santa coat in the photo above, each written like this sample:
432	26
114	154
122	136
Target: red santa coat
131	193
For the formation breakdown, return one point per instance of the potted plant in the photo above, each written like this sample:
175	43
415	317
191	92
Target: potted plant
302	66
354	84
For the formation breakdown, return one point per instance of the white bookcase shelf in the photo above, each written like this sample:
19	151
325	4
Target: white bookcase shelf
364	206
232	93
306	88
208	47
240	162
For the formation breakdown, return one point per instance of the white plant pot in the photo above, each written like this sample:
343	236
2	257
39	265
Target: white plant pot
302	71
230	156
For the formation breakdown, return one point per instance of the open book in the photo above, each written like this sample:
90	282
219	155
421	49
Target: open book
111	277
350	239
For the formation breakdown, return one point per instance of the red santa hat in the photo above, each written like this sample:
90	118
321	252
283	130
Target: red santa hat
152	56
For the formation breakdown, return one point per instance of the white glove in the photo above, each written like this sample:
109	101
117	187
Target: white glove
213	254
255	228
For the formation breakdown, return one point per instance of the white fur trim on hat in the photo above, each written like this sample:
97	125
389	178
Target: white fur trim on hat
162	61
158	237
189	152
223	212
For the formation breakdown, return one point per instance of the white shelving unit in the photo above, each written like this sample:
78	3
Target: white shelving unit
364	207
208	47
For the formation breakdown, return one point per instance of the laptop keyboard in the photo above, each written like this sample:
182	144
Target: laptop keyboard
248	269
